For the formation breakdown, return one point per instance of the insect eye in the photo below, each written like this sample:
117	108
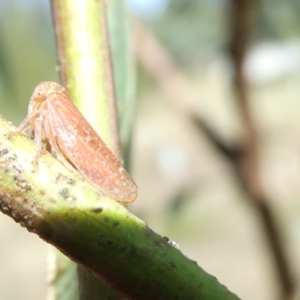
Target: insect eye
40	95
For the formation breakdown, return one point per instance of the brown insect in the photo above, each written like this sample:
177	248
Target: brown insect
54	119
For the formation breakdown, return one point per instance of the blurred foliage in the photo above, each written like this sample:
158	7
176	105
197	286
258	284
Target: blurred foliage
27	54
189	28
278	20
197	33
186	26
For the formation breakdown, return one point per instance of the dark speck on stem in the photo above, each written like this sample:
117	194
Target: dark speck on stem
97	210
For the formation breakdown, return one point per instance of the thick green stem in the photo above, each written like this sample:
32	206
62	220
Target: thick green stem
94	230
85	70
85	66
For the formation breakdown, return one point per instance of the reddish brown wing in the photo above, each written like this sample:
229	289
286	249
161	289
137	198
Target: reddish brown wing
82	146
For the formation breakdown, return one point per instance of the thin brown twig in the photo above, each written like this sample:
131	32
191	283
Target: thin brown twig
159	64
157	61
243	16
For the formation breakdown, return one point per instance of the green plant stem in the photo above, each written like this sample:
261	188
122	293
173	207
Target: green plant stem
124	71
85	70
84	64
94	230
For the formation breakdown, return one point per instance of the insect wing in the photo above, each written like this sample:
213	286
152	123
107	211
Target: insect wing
83	147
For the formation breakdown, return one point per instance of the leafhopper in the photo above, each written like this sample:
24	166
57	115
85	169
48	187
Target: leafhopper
54	119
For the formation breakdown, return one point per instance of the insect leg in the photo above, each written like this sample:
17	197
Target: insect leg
25	125
38	127
50	135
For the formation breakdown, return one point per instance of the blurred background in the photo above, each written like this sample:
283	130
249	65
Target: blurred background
216	137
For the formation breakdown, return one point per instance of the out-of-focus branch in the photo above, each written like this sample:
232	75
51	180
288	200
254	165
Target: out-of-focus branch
243	16
244	156
170	79
241	28
159	64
